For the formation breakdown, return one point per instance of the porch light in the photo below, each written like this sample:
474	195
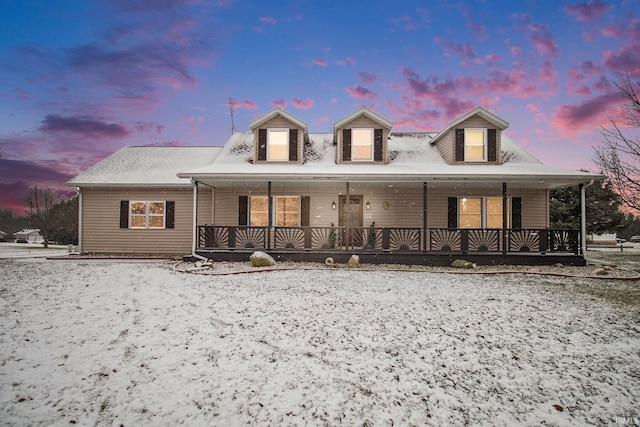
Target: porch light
333	206
368	205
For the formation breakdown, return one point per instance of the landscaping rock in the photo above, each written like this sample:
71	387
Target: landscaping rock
600	272
460	263
354	261
261	259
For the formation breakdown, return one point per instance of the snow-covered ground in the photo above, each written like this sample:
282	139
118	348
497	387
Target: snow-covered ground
91	342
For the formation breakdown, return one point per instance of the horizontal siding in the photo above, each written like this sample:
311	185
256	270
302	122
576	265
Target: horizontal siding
101	232
279	122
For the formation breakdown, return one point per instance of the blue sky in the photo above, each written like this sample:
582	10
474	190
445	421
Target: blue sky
83	78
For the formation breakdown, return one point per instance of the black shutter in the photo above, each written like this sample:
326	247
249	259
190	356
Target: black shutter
171	215
516	213
459	145
293	145
305	211
243	210
492	142
452	212
346	145
262	144
124	214
377	145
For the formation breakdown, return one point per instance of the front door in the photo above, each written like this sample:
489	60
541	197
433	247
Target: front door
350	217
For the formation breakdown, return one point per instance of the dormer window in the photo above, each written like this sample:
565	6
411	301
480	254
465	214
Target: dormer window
277	144
475	145
362	144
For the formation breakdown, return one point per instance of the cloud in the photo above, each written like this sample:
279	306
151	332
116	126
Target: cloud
367	77
268	20
360	93
404	22
83	125
464	50
320	62
624	61
303	105
247	103
538	34
589	11
587	115
281	103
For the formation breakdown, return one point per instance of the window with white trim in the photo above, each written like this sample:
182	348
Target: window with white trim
475	145
286	211
481	212
278	144
147	214
361	144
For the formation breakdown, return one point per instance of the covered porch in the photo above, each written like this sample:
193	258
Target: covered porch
385	222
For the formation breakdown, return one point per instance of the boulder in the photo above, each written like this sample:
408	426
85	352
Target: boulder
261	259
460	263
354	261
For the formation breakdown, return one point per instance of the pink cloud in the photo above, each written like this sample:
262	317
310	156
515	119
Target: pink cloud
321	120
268	20
281	103
247	103
516	51
360	92
589	11
538	34
367	77
320	62
82	125
303	105
465	50
588	115
626	60
404	22
613	30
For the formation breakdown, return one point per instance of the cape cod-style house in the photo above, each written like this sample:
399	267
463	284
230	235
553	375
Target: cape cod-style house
395	197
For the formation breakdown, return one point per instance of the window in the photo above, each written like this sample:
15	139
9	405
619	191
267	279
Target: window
475	144
362	144
481	212
147	214
278	144
287	211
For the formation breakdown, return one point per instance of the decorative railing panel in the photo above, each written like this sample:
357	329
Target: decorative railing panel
389	239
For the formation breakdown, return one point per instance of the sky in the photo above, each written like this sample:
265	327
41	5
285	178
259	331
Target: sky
84	78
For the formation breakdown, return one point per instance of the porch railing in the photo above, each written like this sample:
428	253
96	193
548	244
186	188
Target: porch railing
389	239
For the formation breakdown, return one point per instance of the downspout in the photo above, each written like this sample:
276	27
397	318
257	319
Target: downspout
583	217
194	237
79	192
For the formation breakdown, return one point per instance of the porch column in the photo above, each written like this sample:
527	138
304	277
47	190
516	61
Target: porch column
583	219
194	237
346	223
504	218
270	215
424	216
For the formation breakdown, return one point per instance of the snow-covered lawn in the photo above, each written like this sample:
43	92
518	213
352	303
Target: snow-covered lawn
133	343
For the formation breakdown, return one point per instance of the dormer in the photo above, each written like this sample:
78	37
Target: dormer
278	137
474	138
361	137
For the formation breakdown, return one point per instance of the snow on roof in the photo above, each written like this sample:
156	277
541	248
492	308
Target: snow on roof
146	166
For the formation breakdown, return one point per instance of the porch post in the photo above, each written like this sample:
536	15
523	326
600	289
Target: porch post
270	215
424	216
346	223
583	219
504	218
194	238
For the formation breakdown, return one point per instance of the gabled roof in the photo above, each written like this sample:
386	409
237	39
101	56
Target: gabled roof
145	166
363	112
480	111
275	113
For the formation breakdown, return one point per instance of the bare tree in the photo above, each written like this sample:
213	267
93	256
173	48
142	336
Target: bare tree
40	203
618	156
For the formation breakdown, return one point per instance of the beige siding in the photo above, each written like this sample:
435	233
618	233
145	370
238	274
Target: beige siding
205	205
446	146
101	232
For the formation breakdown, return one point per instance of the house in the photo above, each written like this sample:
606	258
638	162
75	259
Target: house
29	235
404	197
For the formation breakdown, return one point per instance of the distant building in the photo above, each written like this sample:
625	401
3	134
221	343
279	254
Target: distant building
31	235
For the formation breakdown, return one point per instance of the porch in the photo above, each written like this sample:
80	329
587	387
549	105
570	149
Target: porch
394	245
